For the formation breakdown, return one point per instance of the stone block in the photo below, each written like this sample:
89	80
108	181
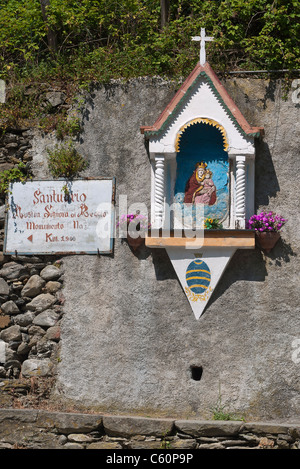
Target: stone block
41	302
2	351
199	428
52	286
24	319
13	270
71	446
53	333
110	445
4	321
2	91
33	286
65	422
150	445
56	98
4	287
129	426
79	438
11	334
263	428
182	444
50	272
46	318
10	307
35	367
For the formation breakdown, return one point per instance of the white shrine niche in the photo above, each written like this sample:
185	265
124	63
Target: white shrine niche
201	128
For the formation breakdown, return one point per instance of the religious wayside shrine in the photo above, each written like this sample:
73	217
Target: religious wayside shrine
203	157
141	287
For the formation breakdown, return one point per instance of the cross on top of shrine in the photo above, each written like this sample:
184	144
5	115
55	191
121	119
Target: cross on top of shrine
202	40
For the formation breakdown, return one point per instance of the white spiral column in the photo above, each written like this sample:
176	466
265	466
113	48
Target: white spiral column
159	194
240	192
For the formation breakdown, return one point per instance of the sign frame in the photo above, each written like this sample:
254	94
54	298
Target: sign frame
63	252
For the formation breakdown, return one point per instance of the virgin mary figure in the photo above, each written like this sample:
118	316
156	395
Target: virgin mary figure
200	188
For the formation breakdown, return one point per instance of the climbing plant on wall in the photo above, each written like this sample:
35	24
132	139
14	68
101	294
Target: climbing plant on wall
100	39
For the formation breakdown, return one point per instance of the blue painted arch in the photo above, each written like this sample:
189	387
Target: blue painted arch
201	141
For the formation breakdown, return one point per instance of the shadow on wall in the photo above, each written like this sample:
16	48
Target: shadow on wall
162	265
141	253
282	252
246	265
266	182
250	265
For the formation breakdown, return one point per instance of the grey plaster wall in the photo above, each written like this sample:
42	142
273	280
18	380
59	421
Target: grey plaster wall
129	336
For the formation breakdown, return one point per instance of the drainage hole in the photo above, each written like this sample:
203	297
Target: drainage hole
196	372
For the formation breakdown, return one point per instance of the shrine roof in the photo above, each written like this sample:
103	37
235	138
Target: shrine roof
202	71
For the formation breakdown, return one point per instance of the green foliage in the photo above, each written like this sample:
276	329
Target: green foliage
21	32
102	39
22	105
212	224
68	127
97	40
65	162
219	412
18	173
26	104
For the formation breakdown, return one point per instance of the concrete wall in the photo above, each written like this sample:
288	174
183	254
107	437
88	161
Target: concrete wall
129	337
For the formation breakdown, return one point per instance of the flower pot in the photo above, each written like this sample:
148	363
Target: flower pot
267	240
135	243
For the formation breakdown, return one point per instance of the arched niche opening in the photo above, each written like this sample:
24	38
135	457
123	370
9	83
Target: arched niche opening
202	172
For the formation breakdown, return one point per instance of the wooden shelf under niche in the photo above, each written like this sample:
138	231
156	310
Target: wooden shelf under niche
241	239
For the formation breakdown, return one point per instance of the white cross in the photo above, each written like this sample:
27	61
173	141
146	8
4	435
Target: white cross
202	40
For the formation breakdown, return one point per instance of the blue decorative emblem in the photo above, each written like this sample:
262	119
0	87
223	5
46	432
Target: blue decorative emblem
198	277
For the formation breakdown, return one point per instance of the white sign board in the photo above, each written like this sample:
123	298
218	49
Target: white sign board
55	217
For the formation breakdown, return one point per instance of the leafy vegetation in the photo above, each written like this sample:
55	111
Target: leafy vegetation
212	224
71	43
220	411
64	161
98	39
68	127
18	173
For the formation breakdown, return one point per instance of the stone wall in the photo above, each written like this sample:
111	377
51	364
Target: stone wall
31	309
30	286
37	429
129	340
14	147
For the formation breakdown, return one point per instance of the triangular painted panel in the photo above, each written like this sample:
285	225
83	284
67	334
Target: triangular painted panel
199	272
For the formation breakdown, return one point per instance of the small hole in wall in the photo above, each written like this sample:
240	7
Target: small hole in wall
196	372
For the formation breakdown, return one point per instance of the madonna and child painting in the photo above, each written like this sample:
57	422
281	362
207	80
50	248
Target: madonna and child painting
200	188
204	193
202	176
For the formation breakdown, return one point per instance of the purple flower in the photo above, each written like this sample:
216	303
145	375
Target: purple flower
266	222
131	219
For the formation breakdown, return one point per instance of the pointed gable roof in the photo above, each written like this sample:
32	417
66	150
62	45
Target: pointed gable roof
200	71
